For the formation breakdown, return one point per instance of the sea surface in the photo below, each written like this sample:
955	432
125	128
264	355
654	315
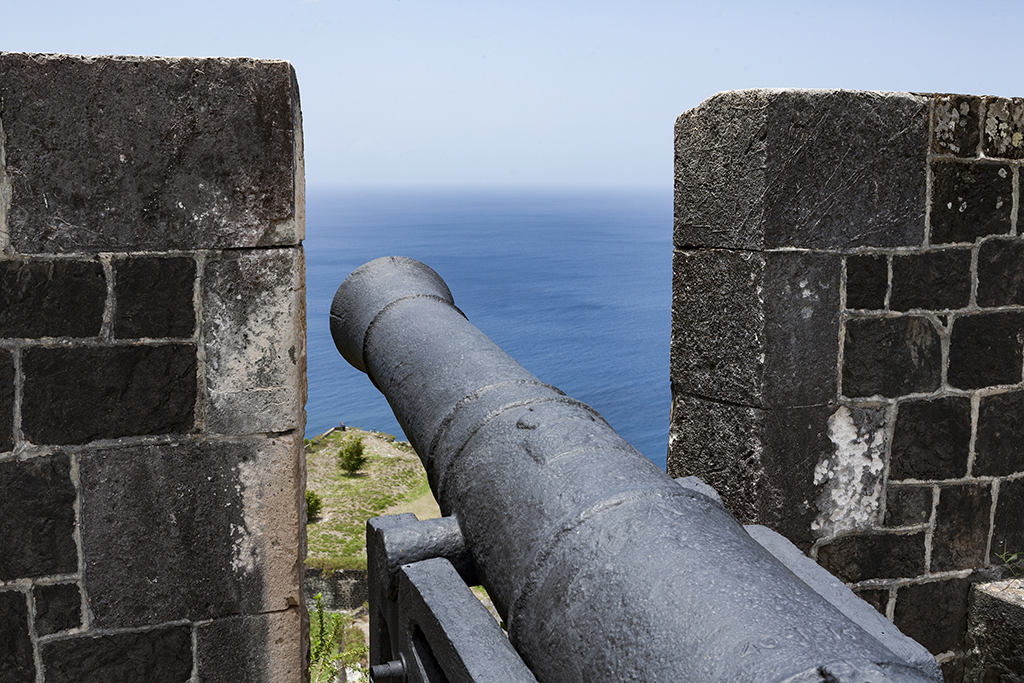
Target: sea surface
575	285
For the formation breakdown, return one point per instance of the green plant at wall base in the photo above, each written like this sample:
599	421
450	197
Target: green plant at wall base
352	456
324	639
328	633
1013	561
314	504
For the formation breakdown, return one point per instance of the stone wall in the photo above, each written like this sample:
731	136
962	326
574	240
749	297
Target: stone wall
848	327
152	370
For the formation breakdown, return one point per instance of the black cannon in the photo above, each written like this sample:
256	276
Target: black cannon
602	567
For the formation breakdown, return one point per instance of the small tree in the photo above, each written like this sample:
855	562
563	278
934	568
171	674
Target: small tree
352	456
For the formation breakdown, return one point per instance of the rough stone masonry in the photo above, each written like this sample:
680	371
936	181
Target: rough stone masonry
848	335
152	370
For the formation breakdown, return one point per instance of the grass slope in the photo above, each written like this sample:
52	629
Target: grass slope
392	481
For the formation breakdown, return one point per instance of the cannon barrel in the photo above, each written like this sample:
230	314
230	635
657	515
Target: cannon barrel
602	566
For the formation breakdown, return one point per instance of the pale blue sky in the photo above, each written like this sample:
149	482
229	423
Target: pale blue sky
459	92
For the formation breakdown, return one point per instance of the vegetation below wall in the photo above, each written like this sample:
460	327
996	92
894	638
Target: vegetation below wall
391	481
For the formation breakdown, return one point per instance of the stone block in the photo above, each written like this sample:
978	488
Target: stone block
878	598
867	281
51	298
970	200
154	154
931	439
341	589
999	446
6	401
816	169
957	125
995	632
37	518
985	349
761	462
874	556
58	607
222	533
1004	128
931	280
1001	272
961	527
16	660
1007	531
161	655
891	356
80	394
908	505
153	296
260	647
254	334
756	329
935	613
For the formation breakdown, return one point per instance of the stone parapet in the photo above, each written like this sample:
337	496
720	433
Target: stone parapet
152	369
848	335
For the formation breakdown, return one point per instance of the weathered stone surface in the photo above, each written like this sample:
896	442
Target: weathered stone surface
957	126
1001	273
891	356
874	556
51	298
961	527
1008	532
985	349
37	518
995	632
760	461
932	280
16	662
162	655
970	200
80	394
1004	128
153	297
908	505
999	446
156	153
850	477
254	333
6	401
867	281
260	647
58	607
348	588
221	534
749	170
756	329
934	614
931	439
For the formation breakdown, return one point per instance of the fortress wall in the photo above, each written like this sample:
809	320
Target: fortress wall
152	370
848	335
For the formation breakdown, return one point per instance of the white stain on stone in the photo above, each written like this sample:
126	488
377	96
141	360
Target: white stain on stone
245	555
852	474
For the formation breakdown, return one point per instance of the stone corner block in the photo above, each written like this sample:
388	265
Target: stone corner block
253	647
757	169
222	537
756	328
254	332
995	631
132	153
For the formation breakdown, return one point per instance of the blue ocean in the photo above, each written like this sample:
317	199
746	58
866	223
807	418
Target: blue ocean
575	285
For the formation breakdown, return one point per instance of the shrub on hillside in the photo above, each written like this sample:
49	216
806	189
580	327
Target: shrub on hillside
352	455
313	505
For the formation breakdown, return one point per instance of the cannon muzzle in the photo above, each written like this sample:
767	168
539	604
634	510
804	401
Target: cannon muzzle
602	567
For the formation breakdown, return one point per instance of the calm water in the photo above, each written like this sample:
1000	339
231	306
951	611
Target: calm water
576	286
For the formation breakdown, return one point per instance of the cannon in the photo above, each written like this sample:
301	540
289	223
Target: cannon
601	566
